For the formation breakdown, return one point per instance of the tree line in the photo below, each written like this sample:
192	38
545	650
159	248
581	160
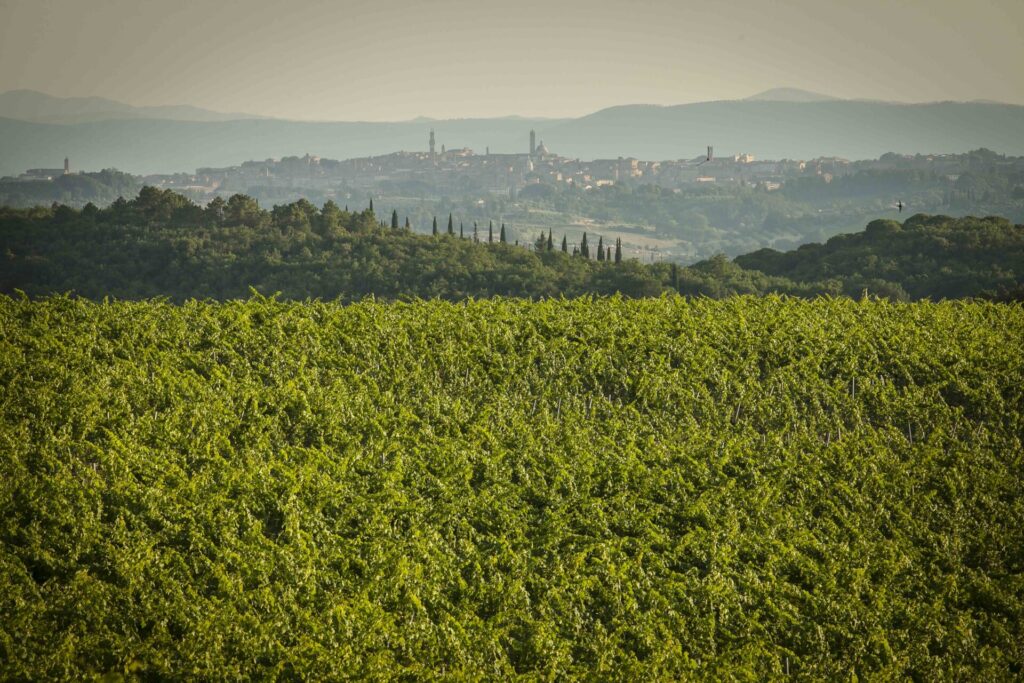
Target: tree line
162	244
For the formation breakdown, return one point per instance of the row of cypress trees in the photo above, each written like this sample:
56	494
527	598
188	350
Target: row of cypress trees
544	243
476	230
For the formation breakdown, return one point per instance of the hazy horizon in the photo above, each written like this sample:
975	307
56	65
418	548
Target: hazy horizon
510	115
396	61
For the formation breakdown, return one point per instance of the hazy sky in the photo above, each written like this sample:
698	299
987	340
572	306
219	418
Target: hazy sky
392	60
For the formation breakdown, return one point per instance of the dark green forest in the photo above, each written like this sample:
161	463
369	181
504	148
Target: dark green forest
924	257
160	244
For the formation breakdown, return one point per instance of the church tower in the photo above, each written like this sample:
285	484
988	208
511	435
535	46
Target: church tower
67	166
433	151
533	142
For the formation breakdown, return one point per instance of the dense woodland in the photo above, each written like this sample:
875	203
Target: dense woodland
161	244
924	257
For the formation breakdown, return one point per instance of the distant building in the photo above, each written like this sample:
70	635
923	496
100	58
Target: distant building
43	173
533	142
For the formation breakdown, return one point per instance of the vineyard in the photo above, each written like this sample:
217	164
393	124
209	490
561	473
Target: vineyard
660	488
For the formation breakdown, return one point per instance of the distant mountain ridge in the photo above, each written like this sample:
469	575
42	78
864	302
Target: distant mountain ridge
765	127
790	95
31	105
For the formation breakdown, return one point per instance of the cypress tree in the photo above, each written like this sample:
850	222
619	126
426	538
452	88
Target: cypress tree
435	226
675	277
502	237
476	234
371	204
406	222
462	236
394	219
600	248
565	244
490	233
584	247
618	250
451	226
551	245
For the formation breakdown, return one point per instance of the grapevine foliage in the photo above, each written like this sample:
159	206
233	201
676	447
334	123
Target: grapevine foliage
661	488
